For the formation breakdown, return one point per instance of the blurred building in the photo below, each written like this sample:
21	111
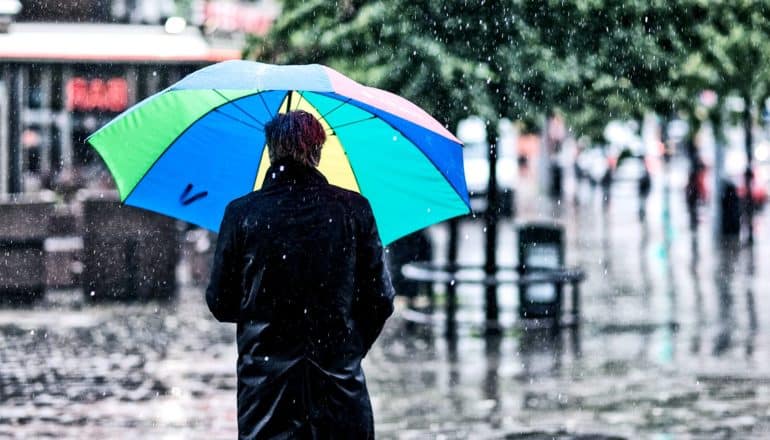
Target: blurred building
69	66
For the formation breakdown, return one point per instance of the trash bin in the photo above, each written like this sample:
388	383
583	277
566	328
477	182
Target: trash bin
541	247
24	221
730	209
128	253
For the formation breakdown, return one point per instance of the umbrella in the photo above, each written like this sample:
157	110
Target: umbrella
190	149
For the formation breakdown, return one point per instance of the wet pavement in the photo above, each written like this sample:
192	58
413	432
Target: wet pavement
673	345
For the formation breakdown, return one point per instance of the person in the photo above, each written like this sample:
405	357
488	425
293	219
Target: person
606	183
299	267
644	187
692	190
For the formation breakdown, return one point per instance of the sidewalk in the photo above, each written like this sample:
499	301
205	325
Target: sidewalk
673	346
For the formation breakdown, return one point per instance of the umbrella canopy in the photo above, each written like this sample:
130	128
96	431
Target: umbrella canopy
189	150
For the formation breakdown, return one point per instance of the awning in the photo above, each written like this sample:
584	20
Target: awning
52	42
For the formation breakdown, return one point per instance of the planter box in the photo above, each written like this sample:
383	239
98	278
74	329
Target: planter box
128	253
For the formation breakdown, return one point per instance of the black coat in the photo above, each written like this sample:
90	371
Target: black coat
299	267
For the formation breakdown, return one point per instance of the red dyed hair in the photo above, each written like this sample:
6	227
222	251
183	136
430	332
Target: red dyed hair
297	135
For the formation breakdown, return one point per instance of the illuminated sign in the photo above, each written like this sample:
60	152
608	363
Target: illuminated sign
96	94
236	16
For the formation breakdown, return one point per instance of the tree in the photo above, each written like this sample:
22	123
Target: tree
517	59
621	57
731	56
444	57
391	45
592	60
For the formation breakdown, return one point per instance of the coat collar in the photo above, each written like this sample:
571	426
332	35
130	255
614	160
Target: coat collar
291	172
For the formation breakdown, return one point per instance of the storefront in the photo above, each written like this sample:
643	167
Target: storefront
61	82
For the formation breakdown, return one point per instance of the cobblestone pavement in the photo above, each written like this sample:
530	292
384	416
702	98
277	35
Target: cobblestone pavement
673	345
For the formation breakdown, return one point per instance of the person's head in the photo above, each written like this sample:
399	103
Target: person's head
297	135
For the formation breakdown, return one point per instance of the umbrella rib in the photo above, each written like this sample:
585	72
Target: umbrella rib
322	116
265	104
240	120
334	132
353	122
171	144
239	107
335	108
259	163
301	96
451	184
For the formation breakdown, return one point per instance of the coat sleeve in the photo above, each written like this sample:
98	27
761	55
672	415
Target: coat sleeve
374	292
223	294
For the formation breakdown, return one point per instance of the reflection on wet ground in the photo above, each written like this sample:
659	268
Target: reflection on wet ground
671	347
115	371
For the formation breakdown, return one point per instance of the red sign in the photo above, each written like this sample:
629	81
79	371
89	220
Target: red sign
228	16
97	94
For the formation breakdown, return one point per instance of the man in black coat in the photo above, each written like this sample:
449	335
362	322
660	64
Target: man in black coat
299	267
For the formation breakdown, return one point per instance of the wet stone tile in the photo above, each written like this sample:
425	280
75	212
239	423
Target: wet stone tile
167	370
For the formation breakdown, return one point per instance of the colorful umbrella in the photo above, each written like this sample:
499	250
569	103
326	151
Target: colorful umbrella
189	150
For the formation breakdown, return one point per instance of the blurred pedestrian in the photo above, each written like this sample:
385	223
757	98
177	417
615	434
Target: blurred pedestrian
606	184
645	185
299	267
695	189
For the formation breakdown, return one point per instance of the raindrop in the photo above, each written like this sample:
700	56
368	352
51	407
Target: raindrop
283	256
93	293
267	358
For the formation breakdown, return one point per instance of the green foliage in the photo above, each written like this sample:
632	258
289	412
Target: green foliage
592	60
732	45
610	58
390	45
